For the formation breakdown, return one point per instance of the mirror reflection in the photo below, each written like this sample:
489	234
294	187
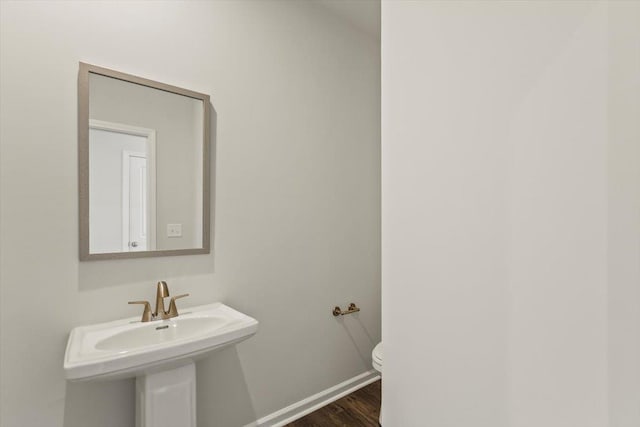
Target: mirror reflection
146	170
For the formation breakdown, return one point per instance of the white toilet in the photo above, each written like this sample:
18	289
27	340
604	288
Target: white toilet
376	361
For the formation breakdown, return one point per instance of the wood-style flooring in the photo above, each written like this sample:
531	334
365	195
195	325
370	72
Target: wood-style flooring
358	409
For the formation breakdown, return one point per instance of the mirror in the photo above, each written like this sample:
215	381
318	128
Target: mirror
143	150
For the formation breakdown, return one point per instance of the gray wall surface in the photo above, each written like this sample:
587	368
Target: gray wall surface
295	211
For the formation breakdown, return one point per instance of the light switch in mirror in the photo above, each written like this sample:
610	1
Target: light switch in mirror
143	167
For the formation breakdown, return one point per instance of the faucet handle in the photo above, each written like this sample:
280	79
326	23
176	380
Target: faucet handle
146	314
173	310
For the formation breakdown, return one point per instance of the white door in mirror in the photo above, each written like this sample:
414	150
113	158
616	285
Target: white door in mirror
119	182
136	192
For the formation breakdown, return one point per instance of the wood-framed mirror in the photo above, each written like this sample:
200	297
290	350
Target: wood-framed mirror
143	167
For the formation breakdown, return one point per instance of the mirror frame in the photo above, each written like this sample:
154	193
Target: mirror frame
83	164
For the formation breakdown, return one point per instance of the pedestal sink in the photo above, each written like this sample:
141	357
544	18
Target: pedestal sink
161	356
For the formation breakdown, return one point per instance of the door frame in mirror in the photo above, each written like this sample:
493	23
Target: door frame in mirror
83	164
150	136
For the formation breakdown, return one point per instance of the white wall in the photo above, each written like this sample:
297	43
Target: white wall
510	214
295	208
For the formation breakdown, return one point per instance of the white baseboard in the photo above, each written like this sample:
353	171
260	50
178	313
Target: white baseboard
306	406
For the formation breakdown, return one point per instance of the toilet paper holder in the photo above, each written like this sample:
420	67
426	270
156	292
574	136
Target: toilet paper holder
337	311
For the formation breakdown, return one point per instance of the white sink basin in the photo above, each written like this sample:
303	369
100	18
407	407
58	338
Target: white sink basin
129	348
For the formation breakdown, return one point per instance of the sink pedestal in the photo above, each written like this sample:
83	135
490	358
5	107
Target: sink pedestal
167	398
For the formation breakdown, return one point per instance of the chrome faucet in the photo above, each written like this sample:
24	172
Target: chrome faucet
161	293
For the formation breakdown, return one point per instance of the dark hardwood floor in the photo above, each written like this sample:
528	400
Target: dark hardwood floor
358	409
